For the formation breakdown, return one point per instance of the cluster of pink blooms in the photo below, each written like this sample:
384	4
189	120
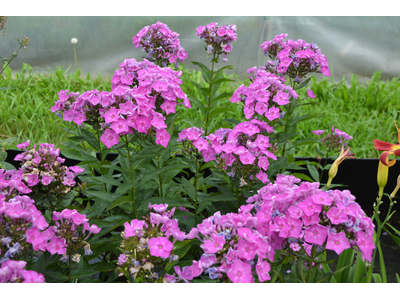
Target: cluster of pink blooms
264	95
283	215
141	93
64	238
218	38
243	149
294	58
44	167
148	243
14	271
18	216
310	216
160	43
233	248
335	139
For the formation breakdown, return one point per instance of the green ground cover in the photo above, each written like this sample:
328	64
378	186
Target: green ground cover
365	111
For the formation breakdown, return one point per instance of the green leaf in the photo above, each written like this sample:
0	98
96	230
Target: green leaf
108	179
219	110
377	278
145	179
232	121
84	273
398	278
219	81
303	84
313	171
230	67
119	201
58	276
108	197
204	71
181	248
299	119
200	105
302	176
279	274
222	96
205	92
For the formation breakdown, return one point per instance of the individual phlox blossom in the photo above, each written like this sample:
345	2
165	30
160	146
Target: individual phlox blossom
218	38
161	44
160	247
240	272
294	58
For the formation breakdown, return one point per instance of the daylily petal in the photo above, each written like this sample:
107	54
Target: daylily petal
384	158
385	146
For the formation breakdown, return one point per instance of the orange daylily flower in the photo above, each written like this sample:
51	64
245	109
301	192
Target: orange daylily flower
389	149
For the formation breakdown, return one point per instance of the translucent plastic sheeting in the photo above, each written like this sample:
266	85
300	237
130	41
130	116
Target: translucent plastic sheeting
353	45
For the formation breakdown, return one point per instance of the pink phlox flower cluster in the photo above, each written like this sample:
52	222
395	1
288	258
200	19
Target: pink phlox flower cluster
218	38
14	271
160	43
233	249
18	218
44	166
142	94
264	96
241	147
147	243
309	216
335	139
294	58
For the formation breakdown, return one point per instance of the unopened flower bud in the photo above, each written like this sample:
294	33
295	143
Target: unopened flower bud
382	178
396	188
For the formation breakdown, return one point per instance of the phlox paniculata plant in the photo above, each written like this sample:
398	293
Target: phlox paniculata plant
148	245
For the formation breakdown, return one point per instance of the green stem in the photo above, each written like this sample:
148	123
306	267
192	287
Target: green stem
195	191
160	191
69	267
209	97
75	56
12	57
378	234
323	169
131	174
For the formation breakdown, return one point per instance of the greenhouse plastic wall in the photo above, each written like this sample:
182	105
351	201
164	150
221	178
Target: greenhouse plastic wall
353	45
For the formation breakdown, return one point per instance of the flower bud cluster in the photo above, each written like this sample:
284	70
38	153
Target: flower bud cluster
218	38
147	244
44	169
294	58
161	44
335	140
14	271
264	95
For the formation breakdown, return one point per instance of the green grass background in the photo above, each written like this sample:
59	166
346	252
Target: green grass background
365	111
